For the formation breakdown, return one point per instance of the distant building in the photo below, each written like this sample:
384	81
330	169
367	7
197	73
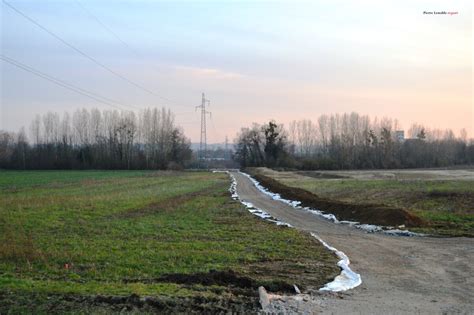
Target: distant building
400	135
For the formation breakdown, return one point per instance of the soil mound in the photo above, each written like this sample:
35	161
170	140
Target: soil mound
363	213
226	278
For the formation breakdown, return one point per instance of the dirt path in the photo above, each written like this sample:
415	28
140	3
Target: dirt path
400	275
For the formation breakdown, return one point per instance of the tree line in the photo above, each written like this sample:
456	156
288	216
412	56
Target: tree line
350	141
95	139
111	139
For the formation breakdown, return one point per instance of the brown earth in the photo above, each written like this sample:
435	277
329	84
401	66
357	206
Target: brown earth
363	213
132	304
235	282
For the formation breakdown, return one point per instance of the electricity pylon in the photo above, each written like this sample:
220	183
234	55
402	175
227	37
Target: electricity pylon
203	143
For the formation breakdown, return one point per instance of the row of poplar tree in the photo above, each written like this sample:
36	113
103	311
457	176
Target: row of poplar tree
351	141
107	139
112	139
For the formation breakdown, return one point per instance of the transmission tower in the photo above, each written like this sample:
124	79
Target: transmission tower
203	142
226	149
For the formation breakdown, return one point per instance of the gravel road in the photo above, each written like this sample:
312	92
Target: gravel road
400	275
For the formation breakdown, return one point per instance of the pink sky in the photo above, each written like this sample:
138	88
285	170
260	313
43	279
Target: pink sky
255	61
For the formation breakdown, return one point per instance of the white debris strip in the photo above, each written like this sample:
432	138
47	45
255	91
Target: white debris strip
369	228
348	279
250	207
345	281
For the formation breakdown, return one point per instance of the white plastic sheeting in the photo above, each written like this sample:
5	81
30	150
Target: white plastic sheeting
348	279
250	207
370	228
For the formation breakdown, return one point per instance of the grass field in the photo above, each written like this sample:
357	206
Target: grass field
443	199
95	240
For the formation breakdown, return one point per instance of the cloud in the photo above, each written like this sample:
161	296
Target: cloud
208	73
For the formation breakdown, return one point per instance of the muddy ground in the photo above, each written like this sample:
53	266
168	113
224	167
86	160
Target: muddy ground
41	303
400	275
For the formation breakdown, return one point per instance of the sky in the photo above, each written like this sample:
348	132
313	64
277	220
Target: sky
254	60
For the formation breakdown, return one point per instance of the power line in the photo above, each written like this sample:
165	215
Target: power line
83	53
69	86
108	29
116	36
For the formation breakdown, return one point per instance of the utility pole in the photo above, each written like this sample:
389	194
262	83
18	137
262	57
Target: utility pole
226	150
203	142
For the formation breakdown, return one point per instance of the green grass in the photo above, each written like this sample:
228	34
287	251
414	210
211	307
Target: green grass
117	233
446	205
